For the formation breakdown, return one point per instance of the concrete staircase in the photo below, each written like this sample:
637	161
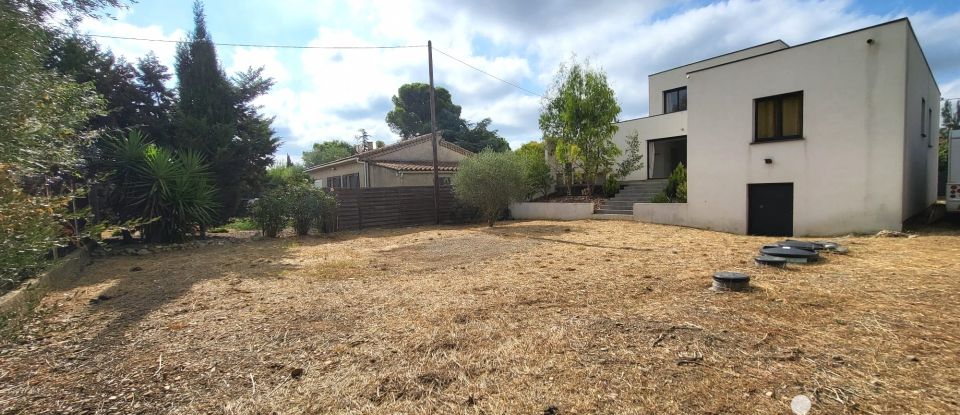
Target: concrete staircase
640	191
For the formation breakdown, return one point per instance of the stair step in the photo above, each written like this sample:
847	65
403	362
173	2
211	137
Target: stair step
614	212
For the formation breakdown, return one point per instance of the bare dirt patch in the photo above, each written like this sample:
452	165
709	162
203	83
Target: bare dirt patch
528	317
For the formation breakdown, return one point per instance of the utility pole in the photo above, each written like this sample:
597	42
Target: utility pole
433	127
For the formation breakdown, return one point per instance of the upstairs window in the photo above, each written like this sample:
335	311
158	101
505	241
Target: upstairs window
778	117
923	117
675	100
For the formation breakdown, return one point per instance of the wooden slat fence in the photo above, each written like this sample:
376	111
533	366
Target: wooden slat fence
387	207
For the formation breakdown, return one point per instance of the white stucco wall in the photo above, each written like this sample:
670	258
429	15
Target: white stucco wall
551	211
649	128
920	152
663	213
320	176
677	77
847	171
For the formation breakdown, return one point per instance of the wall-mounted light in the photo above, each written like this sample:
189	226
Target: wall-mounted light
768	161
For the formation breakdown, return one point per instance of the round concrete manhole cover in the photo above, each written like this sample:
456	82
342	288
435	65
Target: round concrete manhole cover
787	252
730	281
772	261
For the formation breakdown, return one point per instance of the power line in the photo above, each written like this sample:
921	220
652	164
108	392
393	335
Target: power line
489	74
252	45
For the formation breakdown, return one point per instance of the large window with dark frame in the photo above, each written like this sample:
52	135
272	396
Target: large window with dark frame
351	181
779	117
333	182
675	100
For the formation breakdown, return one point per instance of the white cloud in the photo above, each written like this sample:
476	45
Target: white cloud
133	49
326	94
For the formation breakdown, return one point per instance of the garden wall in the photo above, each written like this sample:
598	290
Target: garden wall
662	213
551	211
16	303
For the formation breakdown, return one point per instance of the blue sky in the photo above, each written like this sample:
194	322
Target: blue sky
327	94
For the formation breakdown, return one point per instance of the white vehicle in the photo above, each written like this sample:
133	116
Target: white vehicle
953	172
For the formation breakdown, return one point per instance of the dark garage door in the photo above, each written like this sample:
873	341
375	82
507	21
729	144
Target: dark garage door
770	209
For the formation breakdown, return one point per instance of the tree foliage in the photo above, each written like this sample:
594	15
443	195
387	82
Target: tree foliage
410	118
217	118
581	110
170	192
490	181
42	114
536	171
633	157
326	152
309	208
676	190
477	137
279	176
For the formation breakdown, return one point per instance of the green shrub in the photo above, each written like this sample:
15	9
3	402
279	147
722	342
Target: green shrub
611	186
28	230
279	176
269	213
168	192
309	207
490	181
676	190
660	198
536	171
241	224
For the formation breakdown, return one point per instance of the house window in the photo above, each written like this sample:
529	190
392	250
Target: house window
351	181
923	117
778	117
675	100
333	182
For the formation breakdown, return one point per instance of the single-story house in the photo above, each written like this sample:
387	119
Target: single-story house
829	137
405	163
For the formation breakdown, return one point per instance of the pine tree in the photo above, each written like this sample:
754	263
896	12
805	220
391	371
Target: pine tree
218	119
155	112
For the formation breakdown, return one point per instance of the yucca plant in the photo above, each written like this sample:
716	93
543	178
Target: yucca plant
170	192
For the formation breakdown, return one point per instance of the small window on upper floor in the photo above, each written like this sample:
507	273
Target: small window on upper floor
778	117
675	100
923	117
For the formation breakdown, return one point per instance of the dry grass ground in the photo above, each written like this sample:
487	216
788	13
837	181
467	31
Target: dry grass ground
528	317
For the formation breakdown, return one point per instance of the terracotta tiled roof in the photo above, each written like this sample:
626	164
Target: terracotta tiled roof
416	165
397	146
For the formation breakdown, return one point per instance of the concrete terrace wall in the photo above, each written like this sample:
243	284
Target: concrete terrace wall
551	211
16	303
662	213
847	170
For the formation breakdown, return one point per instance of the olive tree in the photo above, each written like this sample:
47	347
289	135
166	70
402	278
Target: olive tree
490	181
581	110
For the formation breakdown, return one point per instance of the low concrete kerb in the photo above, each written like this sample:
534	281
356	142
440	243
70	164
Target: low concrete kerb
18	302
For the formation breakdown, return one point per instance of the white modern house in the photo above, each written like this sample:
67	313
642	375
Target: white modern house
823	138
